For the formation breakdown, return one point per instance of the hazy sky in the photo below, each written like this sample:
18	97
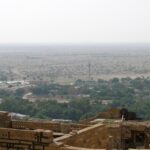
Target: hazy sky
74	21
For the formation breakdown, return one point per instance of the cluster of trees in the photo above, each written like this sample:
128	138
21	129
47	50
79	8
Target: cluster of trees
3	76
74	110
133	94
52	89
102	89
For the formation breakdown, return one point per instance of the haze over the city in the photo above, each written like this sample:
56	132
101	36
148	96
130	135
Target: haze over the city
74	74
69	21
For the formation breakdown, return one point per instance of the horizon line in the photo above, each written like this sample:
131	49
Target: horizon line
74	44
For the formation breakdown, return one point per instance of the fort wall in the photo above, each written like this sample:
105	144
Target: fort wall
94	137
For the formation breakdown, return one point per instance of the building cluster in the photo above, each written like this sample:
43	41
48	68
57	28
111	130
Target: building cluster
114	129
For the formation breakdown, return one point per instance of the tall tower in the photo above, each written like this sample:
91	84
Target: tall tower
89	70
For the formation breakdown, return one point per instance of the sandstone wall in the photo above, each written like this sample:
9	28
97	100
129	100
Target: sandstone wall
14	139
54	126
96	137
5	120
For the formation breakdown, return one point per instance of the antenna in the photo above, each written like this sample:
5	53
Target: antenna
89	70
89	67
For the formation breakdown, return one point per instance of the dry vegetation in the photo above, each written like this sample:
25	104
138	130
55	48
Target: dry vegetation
56	64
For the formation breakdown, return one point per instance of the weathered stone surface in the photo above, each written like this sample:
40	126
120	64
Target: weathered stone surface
5	119
95	136
109	134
